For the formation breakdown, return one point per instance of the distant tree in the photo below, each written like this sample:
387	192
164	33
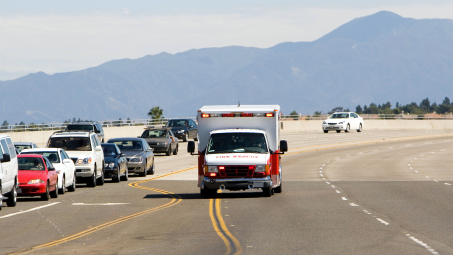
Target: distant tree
5	125
446	101
425	104
365	108
358	109
156	113
317	113
336	109
397	105
294	113
128	121
74	120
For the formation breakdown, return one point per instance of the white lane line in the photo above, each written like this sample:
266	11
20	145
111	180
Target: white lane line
337	191
365	211
352	204
382	221
447	184
427	177
29	210
333	186
343	198
321	175
102	204
328	182
422	244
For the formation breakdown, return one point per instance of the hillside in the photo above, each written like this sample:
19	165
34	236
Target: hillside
378	58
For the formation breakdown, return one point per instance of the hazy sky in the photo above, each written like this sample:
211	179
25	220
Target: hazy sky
60	36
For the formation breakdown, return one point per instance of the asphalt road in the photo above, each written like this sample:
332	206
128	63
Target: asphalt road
357	193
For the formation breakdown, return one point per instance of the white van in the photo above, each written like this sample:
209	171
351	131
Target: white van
8	172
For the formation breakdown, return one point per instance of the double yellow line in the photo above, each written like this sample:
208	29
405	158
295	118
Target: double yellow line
175	200
220	226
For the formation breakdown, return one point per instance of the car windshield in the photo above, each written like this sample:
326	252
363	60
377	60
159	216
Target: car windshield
154	134
339	116
128	145
237	143
109	150
79	127
51	155
22	147
30	164
70	143
177	123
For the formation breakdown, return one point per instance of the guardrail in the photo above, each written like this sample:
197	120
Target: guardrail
149	122
61	126
430	116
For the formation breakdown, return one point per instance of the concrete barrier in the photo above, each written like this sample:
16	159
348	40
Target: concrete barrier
41	137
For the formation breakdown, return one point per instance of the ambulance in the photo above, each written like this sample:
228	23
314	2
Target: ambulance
239	148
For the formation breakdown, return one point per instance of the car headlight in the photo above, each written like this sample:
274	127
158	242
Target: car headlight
324	122
36	181
136	159
212	169
86	160
109	165
181	131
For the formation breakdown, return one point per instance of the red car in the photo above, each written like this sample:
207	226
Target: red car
37	177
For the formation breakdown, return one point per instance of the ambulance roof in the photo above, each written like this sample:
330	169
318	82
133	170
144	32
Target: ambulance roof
241	108
219	131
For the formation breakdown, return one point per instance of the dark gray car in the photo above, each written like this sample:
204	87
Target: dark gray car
184	129
161	140
140	157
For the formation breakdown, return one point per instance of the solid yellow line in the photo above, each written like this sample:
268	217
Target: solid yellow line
341	145
216	228
225	229
175	200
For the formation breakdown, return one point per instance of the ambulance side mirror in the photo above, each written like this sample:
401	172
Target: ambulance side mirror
283	146
190	147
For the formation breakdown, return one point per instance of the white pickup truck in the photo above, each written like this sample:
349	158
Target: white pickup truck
8	172
239	148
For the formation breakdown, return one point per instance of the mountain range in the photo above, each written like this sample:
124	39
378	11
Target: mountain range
378	58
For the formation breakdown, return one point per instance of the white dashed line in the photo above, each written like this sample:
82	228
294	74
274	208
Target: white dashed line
422	244
337	191
30	210
382	221
343	198
352	204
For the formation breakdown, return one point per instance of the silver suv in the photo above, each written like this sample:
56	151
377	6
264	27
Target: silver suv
85	150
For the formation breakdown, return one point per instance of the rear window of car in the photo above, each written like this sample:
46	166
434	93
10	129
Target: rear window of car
177	123
70	143
51	155
128	145
22	147
79	127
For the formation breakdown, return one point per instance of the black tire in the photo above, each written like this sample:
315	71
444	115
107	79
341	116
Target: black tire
1	198
100	181
338	131
326	131
168	151
360	128
185	138
195	139
126	176
63	188
72	188
347	129
208	193
54	194
12	197
92	181
279	188
175	152
117	178
151	170
267	192
46	196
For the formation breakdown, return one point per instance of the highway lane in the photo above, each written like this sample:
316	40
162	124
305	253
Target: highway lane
333	210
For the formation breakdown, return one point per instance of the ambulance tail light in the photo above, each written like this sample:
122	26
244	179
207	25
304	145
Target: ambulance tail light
271	114
227	114
247	115
205	115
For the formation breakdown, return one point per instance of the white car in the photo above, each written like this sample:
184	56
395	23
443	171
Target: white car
343	121
9	170
85	151
62	163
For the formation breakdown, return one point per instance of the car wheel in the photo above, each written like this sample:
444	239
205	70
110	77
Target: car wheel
54	193
195	138
1	198
73	185
326	131
338	131
92	181
279	188
126	176
168	151
360	128
185	138
12	197
151	171
117	178
46	196
63	186
267	192
100	181
145	171
347	128
175	152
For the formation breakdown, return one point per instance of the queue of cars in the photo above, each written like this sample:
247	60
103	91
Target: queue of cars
77	155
